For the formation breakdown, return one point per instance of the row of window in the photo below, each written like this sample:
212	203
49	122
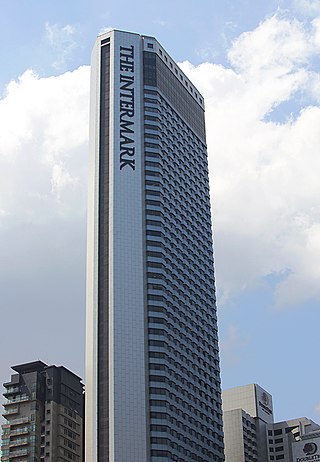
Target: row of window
157	74
174	457
184	349
183	345
182	395
184	364
175	334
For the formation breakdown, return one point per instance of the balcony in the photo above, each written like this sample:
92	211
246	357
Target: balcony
11	391
11	411
19	421
5	443
18	453
18	442
18	399
17	431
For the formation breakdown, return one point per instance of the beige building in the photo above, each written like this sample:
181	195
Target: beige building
43	413
247	411
250	433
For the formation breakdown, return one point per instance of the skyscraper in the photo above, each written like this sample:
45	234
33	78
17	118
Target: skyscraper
153	380
44	415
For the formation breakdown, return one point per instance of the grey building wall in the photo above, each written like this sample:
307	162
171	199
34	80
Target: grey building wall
117	390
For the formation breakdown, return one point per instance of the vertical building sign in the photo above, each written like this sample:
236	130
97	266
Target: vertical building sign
127	388
127	109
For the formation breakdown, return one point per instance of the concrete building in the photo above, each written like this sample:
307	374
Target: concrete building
246	412
250	433
283	435
153	379
240	436
44	415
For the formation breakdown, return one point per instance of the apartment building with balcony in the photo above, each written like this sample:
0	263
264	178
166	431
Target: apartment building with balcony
43	412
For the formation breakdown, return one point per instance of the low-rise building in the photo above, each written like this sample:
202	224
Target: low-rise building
250	433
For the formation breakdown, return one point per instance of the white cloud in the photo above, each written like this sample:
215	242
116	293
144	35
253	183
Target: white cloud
275	45
265	173
61	179
62	41
43	160
308	7
43	145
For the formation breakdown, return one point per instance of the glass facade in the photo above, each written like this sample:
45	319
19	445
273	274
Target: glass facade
158	74
184	376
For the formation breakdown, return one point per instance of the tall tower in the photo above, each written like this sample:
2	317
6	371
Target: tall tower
153	380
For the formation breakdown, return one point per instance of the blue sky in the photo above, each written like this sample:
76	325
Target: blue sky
257	64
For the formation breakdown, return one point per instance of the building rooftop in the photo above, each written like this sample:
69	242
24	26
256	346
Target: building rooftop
34	366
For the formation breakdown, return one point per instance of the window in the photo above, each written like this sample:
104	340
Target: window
150	45
278	432
278	440
279	457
